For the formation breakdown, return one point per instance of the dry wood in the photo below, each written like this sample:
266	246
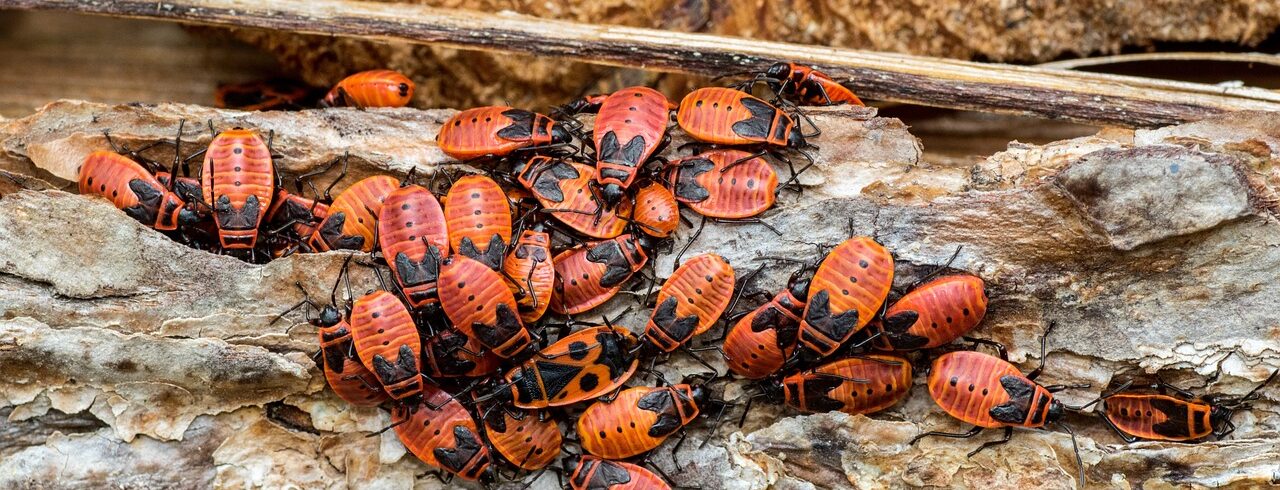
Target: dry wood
1084	97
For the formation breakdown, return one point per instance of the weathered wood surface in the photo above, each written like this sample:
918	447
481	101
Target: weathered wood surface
1084	97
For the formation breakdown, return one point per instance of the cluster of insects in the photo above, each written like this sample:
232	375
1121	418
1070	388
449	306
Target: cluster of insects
477	344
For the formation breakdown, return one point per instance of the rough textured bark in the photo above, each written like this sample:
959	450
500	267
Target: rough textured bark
1151	249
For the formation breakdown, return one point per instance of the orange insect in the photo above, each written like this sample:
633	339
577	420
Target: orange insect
441	433
989	392
656	212
725	116
530	273
807	85
238	181
348	378
630	128
527	440
934	314
690	301
478	302
292	211
588	276
580	366
373	88
845	294
353	216
386	340
856	385
724	183
564	190
479	219
639	419
761	341
592	473
451	354
1161	417
497	131
413	237
133	190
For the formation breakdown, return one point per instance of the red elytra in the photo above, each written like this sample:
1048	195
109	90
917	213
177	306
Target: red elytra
528	440
353	216
238	181
478	302
441	433
529	265
845	293
882	381
564	189
630	127
725	116
592	473
587	276
496	131
373	88
413	238
656	212
387	342
131	188
933	314
724	183
639	419
762	340
690	301
479	219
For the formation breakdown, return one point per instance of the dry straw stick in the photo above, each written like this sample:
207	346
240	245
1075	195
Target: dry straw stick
1083	97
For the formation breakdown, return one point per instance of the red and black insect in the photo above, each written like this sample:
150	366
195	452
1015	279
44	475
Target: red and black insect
656	211
498	131
690	301
1161	417
581	366
530	272
933	314
387	342
805	85
589	275
413	237
441	433
760	343
564	190
639	419
478	302
592	473
264	95
724	183
526	439
855	385
353	216
373	88
238	180
479	219
989	392
630	128
451	354
295	212
348	378
725	116
133	190
845	293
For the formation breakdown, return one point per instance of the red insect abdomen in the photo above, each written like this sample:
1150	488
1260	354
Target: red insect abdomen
530	443
493	131
411	220
845	294
629	127
944	309
633	422
478	302
1158	417
110	175
743	191
656	211
760	342
373	88
238	180
445	437
479	219
592	473
387	342
586	277
966	385
352	216
690	301
709	114
888	382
